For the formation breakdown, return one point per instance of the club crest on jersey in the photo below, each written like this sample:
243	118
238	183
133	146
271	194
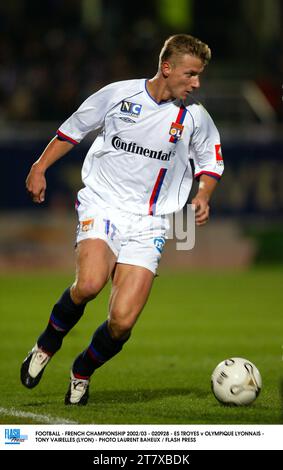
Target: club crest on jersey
131	109
176	131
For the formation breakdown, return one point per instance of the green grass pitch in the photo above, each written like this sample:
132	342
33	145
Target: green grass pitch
191	322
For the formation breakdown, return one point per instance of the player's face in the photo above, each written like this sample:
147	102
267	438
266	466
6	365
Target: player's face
182	76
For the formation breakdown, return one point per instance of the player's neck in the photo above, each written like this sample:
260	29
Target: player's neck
158	90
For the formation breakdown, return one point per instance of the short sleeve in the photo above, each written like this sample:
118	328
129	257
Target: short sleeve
205	146
88	117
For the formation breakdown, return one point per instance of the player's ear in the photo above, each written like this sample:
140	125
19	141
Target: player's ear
166	69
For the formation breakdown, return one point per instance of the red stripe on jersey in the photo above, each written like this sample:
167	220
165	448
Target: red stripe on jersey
156	190
66	137
208	173
180	119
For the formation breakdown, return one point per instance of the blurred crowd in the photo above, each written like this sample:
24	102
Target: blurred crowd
51	57
53	54
45	77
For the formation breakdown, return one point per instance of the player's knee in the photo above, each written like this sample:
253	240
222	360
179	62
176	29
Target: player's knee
120	328
86	289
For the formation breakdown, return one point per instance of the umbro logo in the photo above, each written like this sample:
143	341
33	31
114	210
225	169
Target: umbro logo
126	119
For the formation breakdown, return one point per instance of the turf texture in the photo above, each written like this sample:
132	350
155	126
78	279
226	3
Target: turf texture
191	322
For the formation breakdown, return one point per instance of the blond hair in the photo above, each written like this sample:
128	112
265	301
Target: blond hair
181	44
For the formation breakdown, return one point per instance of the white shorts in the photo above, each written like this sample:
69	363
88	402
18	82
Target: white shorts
134	239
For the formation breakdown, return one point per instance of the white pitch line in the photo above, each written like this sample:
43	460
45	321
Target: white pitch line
37	417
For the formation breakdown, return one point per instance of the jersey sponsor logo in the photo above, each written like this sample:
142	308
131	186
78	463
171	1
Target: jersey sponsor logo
131	109
132	147
218	154
159	243
176	130
86	225
126	119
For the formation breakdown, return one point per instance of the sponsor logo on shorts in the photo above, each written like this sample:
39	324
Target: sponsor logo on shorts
131	109
86	225
159	243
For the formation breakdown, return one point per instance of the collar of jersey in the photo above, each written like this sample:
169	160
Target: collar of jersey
152	99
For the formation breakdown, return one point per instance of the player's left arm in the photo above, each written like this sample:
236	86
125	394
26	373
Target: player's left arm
206	187
209	166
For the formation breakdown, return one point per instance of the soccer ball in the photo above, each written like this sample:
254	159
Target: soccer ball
236	381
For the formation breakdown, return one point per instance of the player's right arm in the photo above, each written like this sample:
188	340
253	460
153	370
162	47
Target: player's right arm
36	182
88	117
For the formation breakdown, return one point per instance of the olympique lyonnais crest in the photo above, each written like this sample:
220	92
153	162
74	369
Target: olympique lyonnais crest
176	130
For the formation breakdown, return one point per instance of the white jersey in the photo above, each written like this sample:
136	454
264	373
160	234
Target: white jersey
139	160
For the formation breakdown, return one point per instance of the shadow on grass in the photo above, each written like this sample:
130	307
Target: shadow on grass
144	395
129	396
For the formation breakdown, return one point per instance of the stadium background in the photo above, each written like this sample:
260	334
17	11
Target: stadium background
53	55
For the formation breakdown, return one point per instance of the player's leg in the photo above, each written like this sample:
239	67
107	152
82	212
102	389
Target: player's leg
130	291
94	264
131	287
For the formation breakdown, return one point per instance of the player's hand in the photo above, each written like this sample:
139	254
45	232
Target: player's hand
36	184
201	209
